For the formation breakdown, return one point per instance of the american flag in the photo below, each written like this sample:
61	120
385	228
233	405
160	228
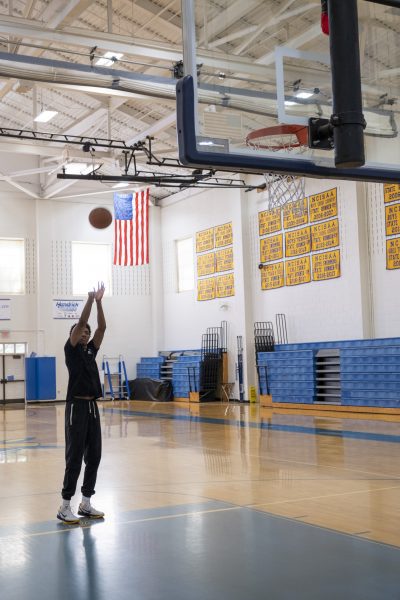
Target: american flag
131	243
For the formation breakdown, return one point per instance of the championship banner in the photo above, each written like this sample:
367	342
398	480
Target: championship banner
295	214
206	289
392	219
298	271
205	264
67	309
224	260
272	276
323	205
271	248
225	285
5	309
298	242
269	221
326	265
391	192
223	235
205	240
393	253
325	235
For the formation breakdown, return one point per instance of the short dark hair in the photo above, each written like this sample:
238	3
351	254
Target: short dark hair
87	326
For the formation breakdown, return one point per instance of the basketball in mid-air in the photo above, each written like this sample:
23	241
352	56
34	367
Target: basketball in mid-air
100	217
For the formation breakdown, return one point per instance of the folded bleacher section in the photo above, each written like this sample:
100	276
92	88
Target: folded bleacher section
186	375
368	372
150	367
183	370
371	376
289	376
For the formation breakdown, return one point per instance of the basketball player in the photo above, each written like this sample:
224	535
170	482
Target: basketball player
82	418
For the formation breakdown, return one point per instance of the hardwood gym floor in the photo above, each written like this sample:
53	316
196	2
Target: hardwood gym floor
205	502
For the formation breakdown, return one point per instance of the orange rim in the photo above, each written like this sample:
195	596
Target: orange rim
300	131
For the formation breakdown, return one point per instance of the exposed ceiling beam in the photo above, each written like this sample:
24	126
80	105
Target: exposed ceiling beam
120	43
296	42
226	18
56	188
58	10
281	15
74	12
233	36
26	172
80	128
160	13
83	125
18	186
56	14
157	127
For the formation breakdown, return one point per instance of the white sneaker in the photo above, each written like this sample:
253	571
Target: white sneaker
87	510
66	515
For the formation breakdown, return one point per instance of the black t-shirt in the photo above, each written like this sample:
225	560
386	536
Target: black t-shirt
84	379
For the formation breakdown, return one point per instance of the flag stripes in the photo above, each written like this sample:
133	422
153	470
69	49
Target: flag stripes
131	243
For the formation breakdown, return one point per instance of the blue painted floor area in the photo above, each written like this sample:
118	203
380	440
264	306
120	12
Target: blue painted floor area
209	551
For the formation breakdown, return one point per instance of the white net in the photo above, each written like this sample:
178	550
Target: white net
279	138
282	189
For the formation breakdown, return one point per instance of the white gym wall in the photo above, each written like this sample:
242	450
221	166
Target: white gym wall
147	314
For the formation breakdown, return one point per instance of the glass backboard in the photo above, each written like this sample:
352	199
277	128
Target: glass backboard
256	72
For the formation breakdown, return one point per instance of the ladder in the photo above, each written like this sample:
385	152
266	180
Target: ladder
116	377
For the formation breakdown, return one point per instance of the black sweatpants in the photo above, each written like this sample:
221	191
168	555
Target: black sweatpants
82	442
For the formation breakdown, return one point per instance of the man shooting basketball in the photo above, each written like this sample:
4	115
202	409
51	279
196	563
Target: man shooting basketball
82	418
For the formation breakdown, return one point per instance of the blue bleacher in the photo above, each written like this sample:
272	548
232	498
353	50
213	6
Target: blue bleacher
150	367
180	375
290	375
369	372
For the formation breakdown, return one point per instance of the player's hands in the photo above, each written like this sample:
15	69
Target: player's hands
99	293
91	295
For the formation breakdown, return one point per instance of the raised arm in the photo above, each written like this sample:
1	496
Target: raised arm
79	328
101	322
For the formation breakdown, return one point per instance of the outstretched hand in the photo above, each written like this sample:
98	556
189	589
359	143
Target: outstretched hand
98	295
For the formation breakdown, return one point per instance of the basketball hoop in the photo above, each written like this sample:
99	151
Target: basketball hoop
278	137
281	189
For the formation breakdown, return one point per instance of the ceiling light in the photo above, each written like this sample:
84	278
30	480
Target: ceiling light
45	116
108	59
303	95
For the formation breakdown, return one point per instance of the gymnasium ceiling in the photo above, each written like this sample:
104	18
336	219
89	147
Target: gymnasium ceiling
48	49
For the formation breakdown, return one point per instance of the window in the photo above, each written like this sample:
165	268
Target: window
13	348
184	253
91	264
12	266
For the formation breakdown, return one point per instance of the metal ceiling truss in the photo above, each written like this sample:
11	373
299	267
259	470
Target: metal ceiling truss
205	178
85	142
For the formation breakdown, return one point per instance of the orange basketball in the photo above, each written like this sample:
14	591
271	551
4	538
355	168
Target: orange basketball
100	217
